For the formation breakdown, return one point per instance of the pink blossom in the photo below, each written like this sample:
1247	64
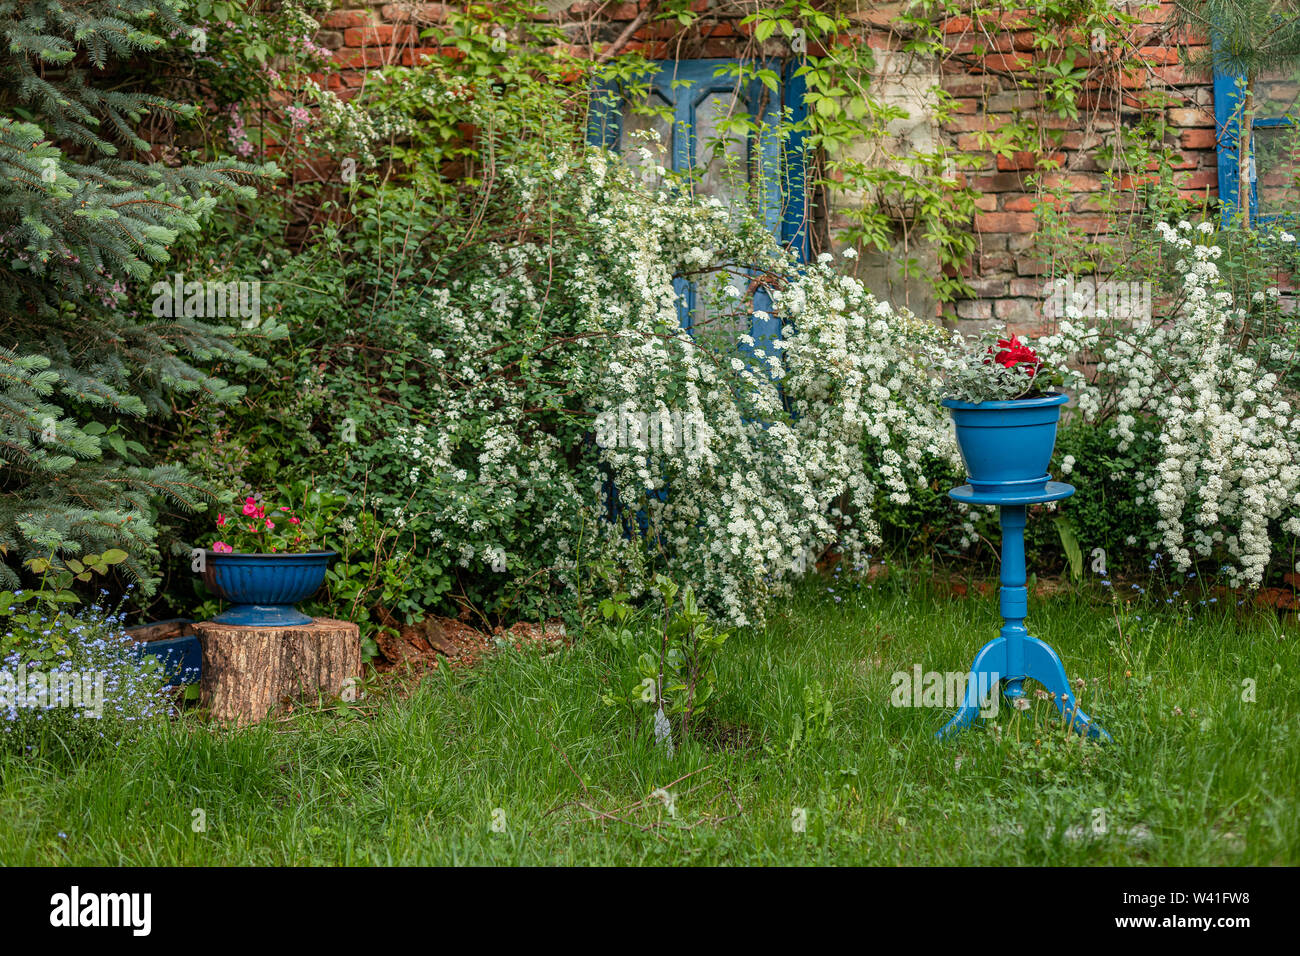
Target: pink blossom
221	547
237	135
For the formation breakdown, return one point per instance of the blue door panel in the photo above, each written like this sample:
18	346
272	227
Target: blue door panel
1227	104
780	199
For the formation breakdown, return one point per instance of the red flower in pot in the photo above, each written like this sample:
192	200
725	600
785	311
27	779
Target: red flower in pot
266	565
1014	353
1005	414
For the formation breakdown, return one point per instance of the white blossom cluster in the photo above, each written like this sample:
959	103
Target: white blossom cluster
1227	469
852	371
347	126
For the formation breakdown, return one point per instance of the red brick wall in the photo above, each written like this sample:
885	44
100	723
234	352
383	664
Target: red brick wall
1005	272
1005	277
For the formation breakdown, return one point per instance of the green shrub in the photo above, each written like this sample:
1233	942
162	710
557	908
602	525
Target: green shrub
663	659
1104	512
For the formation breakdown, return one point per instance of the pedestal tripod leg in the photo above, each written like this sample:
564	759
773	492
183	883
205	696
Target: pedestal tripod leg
982	683
1014	656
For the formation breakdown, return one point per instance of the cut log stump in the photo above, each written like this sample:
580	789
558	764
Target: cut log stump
250	673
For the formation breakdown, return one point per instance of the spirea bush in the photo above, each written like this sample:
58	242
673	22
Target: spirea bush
71	682
771	468
528	407
1225	477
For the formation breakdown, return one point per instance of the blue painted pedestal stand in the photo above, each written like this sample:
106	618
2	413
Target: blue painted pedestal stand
1014	656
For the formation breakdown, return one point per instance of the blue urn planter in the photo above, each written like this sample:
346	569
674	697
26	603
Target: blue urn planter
1007	445
263	588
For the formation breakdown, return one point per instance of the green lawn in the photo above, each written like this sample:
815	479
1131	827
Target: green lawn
1196	774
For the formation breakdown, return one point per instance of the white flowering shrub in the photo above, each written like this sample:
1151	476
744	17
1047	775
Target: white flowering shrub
527	382
1226	479
862	403
324	119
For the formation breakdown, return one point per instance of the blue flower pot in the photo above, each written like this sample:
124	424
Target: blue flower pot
1007	446
263	588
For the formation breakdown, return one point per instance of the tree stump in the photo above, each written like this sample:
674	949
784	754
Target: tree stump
251	672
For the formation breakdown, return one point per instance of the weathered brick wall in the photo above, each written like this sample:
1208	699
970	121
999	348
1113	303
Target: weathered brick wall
1006	270
1005	275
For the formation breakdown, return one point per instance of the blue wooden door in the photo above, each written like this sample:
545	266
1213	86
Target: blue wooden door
700	109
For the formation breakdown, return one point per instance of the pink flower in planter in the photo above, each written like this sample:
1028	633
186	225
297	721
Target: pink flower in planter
250	507
221	547
294	521
270	525
221	521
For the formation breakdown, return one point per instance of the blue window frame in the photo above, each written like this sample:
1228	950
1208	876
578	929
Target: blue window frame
692	91
1269	119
